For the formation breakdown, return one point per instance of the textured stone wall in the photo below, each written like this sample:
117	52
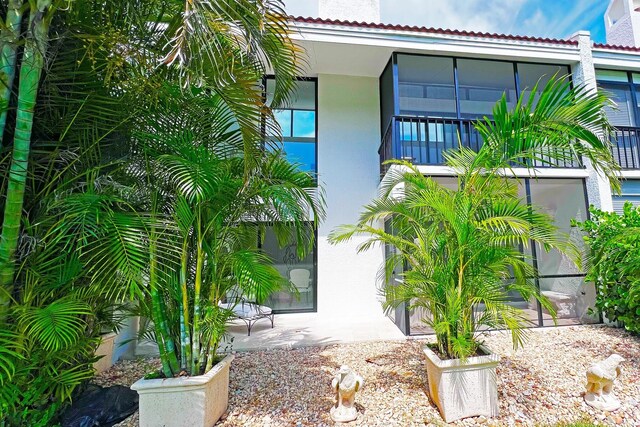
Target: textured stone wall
622	24
621	33
598	186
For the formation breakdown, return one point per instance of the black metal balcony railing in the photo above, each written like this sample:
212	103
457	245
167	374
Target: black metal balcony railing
423	140
626	147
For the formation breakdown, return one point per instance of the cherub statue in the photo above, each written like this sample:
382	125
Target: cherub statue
600	379
346	383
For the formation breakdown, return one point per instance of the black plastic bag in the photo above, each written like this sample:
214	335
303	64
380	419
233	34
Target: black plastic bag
101	407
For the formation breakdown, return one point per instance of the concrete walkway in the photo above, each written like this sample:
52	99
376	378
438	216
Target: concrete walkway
311	329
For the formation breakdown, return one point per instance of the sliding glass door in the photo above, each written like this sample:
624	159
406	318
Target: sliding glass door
301	275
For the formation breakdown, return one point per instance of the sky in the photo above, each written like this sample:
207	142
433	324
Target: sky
542	18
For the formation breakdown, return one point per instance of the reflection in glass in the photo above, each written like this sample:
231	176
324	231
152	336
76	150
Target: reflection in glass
300	273
571	298
530	75
622	113
283	117
564	200
560	280
558	277
386	98
298	123
482	84
426	86
304	96
304	124
302	153
630	192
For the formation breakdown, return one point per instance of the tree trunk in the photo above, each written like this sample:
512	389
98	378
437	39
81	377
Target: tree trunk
29	80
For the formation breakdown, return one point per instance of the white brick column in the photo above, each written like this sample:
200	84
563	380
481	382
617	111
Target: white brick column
598	186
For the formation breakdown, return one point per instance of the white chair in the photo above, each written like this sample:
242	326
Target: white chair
301	279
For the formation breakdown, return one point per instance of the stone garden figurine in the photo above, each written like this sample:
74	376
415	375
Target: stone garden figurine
600	379
346	383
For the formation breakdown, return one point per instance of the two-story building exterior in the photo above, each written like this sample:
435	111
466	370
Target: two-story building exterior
375	91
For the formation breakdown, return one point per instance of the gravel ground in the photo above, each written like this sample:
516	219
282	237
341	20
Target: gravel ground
539	385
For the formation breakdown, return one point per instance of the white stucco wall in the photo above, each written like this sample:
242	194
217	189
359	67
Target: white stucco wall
348	167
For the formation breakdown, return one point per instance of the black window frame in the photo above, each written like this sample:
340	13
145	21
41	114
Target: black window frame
314	308
291	110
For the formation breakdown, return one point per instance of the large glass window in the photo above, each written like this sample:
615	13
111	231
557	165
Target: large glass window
620	86
630	193
426	86
564	200
301	274
482	84
560	280
298	124
297	121
622	114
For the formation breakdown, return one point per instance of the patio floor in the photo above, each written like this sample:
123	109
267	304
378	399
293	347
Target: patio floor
312	329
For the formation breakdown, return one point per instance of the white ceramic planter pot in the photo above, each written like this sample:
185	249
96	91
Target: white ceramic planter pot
105	349
463	389
185	402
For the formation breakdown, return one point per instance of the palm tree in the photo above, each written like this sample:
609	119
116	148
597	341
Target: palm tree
202	214
222	46
88	71
461	246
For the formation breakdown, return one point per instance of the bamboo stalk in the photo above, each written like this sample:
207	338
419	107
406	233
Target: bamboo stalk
156	307
36	43
196	356
185	324
172	355
8	58
157	318
165	343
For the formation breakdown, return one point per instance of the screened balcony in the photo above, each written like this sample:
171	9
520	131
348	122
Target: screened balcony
423	141
430	103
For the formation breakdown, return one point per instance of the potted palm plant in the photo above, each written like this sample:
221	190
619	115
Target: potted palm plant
462	247
206	213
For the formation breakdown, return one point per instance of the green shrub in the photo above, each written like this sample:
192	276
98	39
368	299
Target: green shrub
614	263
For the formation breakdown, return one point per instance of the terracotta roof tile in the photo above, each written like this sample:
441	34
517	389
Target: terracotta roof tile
616	47
431	30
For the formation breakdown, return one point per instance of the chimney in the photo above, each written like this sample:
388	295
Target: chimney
352	10
622	22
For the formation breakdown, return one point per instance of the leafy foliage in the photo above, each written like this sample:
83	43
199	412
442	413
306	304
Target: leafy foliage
79	225
461	248
614	263
208	207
